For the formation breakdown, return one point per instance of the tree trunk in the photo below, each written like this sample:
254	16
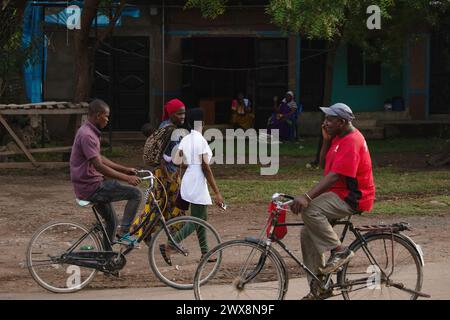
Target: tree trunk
329	72
85	71
327	90
84	57
85	51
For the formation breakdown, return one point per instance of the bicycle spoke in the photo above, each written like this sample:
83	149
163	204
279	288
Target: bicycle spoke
195	237
400	264
44	256
262	279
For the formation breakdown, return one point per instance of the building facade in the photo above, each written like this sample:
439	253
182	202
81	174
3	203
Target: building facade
170	52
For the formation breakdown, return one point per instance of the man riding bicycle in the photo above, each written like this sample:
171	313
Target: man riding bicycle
346	188
88	169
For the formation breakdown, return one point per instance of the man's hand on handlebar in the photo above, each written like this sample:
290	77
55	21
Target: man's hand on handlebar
131	171
300	203
133	180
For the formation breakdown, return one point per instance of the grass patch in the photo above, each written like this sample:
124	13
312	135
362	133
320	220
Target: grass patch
422	206
397	192
308	147
116	152
400	145
392	181
236	191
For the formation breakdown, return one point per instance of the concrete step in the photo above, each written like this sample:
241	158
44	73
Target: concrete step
374	133
383	115
365	123
124	136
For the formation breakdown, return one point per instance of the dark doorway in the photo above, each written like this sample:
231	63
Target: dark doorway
271	76
122	80
440	71
220	72
312	74
216	69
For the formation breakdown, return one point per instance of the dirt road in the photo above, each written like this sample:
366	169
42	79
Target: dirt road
436	280
29	201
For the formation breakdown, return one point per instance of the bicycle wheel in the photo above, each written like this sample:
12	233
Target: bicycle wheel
196	236
247	271
44	256
397	264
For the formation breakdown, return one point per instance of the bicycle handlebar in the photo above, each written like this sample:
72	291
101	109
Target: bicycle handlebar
149	176
281	205
282	195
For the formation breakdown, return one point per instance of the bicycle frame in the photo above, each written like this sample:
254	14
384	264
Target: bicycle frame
348	226
100	228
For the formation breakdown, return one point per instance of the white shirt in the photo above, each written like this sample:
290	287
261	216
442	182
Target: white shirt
194	188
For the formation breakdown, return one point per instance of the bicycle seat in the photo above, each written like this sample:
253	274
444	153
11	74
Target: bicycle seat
83	203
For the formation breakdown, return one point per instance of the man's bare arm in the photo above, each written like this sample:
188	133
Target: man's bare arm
116	166
108	171
324	184
302	201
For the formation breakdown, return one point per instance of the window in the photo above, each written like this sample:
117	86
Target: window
361	71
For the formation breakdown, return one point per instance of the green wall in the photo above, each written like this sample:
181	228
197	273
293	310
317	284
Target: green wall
363	98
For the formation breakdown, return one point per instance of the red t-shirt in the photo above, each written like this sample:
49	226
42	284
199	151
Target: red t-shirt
350	157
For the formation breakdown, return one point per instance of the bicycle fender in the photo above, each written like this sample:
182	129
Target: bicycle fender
277	255
255	241
402	236
417	247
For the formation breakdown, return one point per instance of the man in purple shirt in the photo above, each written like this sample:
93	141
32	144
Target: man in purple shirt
88	169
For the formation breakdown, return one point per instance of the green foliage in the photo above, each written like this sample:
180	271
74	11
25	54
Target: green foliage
9	45
12	54
108	7
312	18
210	9
345	20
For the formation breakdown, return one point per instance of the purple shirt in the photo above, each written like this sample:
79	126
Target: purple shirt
86	146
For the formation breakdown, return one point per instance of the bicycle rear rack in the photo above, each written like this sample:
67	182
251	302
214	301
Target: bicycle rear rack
395	228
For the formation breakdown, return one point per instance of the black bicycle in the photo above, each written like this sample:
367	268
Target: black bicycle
64	256
387	265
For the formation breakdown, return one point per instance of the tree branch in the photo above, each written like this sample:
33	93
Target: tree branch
111	26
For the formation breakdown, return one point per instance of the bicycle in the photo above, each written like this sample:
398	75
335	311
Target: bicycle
387	264
64	256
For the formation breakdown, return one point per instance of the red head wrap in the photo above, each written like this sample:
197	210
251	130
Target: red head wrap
171	107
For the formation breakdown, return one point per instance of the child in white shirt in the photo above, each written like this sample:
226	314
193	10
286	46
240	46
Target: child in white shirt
196	154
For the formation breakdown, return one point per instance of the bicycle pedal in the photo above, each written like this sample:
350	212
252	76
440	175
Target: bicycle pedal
134	245
108	274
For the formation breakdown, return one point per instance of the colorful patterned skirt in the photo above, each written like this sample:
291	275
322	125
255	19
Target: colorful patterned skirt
151	209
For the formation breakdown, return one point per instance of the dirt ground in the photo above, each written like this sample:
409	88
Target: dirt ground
29	201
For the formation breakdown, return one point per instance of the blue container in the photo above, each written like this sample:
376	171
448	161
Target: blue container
398	104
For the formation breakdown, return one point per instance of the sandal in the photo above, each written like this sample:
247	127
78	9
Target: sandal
211	259
162	248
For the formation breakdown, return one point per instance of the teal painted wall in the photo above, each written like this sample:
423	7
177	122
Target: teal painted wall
363	98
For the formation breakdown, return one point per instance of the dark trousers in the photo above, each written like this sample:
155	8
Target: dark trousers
111	191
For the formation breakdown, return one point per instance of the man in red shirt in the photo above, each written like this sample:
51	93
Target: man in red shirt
346	188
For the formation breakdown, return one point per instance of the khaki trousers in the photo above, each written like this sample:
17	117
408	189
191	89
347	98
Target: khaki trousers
317	236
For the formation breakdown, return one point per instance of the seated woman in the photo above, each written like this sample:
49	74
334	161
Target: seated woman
284	116
242	115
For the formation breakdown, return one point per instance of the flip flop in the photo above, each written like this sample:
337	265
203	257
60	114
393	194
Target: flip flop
162	248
